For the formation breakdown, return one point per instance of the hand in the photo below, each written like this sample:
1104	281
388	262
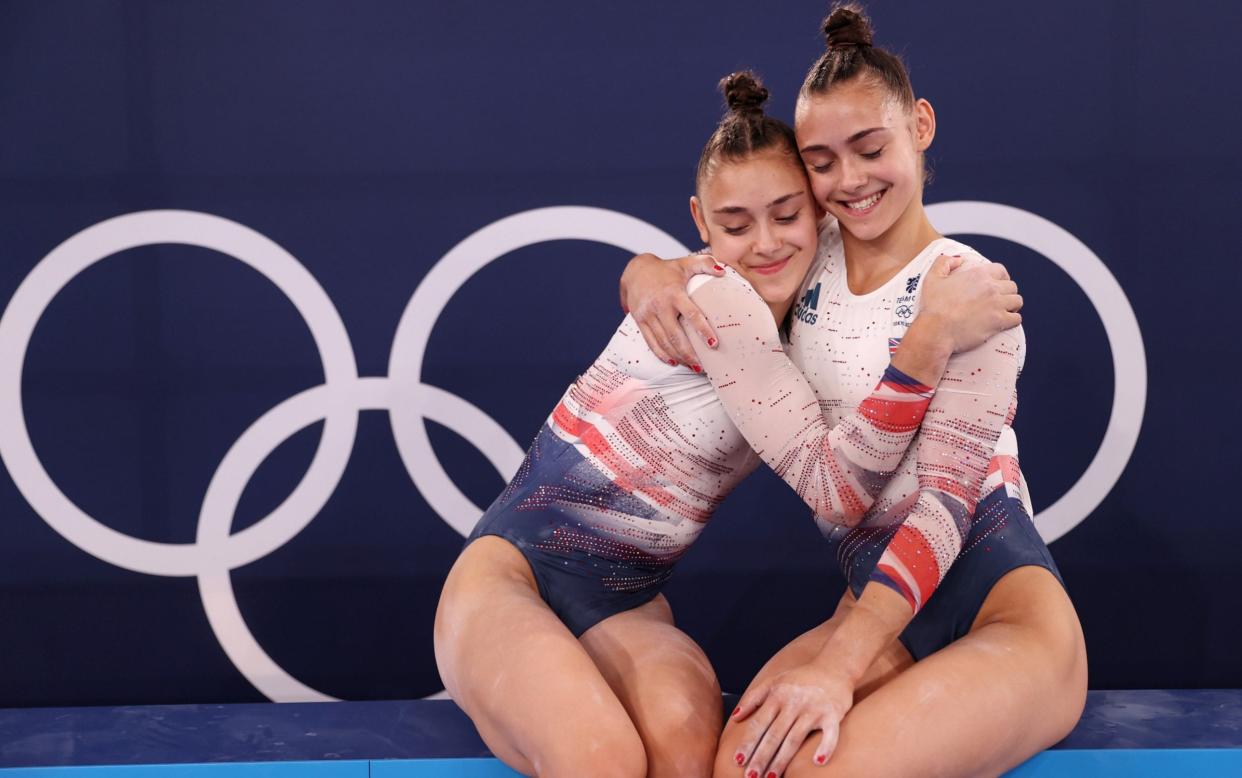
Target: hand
653	291
782	712
970	303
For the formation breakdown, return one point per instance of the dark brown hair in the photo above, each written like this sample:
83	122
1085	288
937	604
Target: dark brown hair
745	128
850	54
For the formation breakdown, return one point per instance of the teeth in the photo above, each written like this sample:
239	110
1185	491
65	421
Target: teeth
864	204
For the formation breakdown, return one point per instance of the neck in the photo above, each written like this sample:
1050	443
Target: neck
781	309
869	264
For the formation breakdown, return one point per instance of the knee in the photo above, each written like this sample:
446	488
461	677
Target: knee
1072	695
609	755
726	765
680	738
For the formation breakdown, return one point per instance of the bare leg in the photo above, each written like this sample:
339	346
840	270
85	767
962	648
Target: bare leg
666	684
1015	684
535	695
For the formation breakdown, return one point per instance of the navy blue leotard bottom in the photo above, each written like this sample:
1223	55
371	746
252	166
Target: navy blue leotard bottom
584	588
581	588
1002	538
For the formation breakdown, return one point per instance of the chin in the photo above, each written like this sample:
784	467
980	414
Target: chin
863	229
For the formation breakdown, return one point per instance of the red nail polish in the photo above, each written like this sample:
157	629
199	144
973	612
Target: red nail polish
821	759
740	758
672	362
696	368
718	267
772	774
711	342
753	774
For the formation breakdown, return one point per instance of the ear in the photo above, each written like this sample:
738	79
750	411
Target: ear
696	211
924	125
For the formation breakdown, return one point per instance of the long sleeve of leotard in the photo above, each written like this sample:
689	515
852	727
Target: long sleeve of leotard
975	399
838	471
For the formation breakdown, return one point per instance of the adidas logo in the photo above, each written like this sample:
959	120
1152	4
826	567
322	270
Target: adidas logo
806	309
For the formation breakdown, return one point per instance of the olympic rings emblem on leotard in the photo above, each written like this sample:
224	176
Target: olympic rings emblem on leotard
337	402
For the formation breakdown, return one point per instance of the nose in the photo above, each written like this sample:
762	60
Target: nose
852	175
766	239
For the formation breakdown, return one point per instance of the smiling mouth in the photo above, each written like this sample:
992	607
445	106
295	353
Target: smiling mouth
772	268
863	205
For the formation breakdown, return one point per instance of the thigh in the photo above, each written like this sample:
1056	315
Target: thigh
666	684
529	686
1014	685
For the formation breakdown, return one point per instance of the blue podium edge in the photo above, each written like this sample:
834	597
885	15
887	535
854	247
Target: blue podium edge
346	768
1081	763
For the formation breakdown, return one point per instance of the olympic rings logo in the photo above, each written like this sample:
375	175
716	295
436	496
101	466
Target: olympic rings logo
337	402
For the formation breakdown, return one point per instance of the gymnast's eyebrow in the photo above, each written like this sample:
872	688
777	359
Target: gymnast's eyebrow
785	198
851	139
740	209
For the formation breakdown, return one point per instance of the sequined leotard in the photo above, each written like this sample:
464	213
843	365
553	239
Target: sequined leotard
634	459
956	515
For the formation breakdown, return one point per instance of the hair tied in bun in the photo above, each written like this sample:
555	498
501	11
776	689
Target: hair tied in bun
744	93
847	26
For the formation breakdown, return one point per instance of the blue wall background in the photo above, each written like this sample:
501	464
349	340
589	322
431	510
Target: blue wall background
369	138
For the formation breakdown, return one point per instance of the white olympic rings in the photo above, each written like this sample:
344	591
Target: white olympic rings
1125	340
217	550
337	402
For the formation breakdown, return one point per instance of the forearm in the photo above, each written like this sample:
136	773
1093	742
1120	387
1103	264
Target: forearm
925	350
867	628
837	470
635	266
955	446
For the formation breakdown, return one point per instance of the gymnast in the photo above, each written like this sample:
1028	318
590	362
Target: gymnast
551	632
955	649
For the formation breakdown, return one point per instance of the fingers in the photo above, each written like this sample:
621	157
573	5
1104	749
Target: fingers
1006	287
692	317
762	742
655	340
998	271
828	742
697	264
678	344
794	739
750	702
756	729
1012	302
940	268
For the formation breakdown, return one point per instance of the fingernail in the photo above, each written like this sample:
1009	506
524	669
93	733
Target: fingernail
821	759
672	362
753	774
739	758
736	711
711	342
719	268
772	774
696	368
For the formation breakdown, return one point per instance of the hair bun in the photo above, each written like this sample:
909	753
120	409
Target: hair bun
744	92
847	25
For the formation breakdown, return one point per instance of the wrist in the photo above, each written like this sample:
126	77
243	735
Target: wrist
934	330
868	627
925	349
